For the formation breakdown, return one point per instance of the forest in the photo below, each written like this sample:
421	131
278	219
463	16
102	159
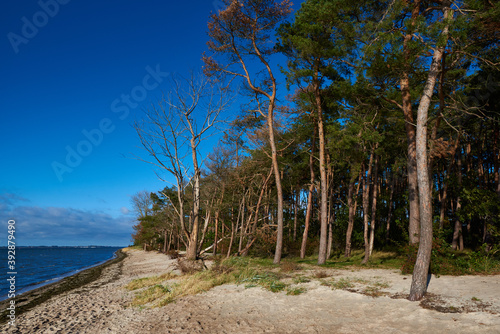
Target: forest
369	125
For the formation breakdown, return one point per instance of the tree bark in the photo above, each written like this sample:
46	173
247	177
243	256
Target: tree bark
366	207
322	170
496	164
374	205
242	226
389	215
232	233
421	269
309	197
296	213
458	241
164	240
446	181
192	251
331	219
216	231
414	217
352	204
279	189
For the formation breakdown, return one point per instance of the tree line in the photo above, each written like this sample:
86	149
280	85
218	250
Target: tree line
364	125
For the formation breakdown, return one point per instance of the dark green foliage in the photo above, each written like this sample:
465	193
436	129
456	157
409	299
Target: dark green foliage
354	51
445	261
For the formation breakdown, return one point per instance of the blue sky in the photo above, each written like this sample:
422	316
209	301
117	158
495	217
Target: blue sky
67	69
75	75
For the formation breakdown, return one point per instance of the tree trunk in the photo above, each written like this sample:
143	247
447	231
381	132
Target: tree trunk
366	207
330	240
496	164
309	198
414	219
352	212
242	227
457	231
205	227
296	213
433	137
389	215
324	183
165	241
216	230
331	219
421	269
279	190
446	182
192	251
374	205
307	222
232	233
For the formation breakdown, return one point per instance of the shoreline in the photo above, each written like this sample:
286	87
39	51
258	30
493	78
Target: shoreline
344	300
34	297
35	286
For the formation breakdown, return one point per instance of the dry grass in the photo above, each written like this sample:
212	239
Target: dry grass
155	294
161	290
201	282
288	266
150	294
150	281
321	274
373	291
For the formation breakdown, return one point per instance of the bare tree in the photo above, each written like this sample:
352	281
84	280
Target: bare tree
171	133
142	203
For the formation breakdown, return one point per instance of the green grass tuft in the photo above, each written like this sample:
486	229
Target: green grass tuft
295	291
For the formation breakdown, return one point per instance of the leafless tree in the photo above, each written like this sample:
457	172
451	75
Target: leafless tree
171	133
142	203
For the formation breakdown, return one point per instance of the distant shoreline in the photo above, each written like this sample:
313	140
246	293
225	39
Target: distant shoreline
31	298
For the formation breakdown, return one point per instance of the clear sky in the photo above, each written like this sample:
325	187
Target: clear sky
74	76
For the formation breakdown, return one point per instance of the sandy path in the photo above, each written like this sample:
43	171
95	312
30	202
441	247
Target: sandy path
102	306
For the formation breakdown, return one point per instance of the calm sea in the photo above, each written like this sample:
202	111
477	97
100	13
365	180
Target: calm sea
37	266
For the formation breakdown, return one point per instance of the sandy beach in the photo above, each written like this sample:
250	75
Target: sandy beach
466	304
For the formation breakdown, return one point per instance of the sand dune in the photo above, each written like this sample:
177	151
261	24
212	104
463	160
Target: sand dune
468	304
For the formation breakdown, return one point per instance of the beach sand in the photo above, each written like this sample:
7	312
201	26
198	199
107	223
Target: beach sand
466	304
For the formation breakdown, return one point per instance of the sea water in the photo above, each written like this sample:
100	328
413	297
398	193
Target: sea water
38	266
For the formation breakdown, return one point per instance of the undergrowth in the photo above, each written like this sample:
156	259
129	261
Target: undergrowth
446	261
160	290
293	272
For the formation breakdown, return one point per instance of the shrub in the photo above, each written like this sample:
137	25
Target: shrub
288	266
321	274
174	254
445	261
